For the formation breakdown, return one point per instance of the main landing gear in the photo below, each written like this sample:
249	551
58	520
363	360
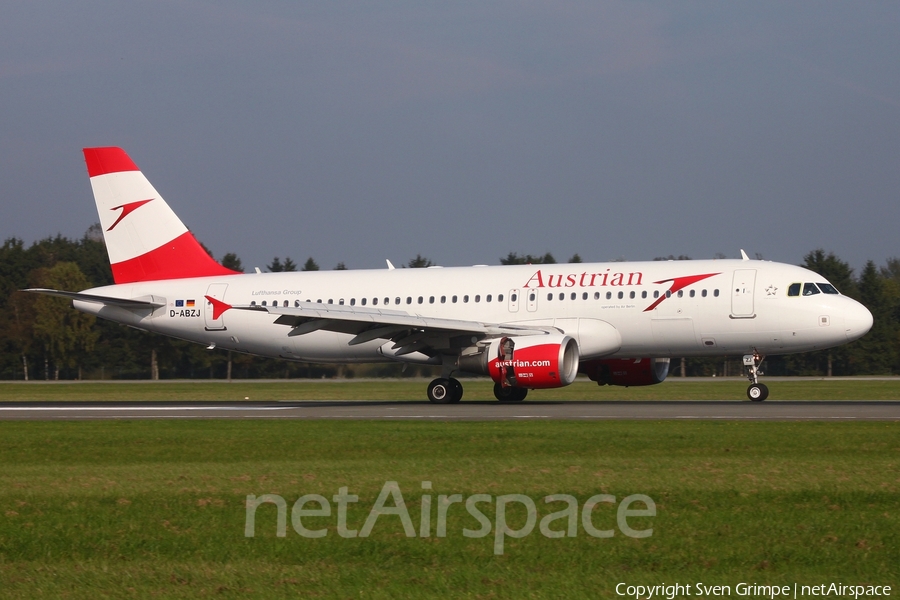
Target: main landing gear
445	390
757	391
509	393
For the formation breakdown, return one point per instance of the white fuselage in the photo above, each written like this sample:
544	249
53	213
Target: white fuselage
717	307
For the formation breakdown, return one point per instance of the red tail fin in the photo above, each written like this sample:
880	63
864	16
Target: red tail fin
145	239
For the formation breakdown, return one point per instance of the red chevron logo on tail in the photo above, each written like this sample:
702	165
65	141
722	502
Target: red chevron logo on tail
127	209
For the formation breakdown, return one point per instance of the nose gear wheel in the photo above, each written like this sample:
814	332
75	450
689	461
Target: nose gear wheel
757	392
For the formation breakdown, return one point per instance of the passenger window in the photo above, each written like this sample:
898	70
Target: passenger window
693	293
500	298
716	293
584	296
253	303
621	295
487	298
477	297
409	299
703	293
574	295
363	302
608	295
443	299
374	301
319	301
644	294
352	301
341	301
681	293
330	301
466	298
532	297
631	295
512	298
562	296
656	293
810	289
430	299
297	303
387	301
264	303
596	295
421	299
550	296
453	300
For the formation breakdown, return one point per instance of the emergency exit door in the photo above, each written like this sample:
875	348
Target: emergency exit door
217	291
742	287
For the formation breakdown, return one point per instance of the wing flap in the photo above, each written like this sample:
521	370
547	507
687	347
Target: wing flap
368	324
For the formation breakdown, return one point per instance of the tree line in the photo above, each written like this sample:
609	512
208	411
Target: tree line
42	337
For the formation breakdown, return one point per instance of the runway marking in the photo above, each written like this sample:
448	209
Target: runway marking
123	410
129	408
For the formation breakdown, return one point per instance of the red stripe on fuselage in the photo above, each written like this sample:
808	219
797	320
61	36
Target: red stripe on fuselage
678	283
101	161
181	258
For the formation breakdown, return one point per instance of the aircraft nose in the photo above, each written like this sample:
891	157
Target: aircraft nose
857	321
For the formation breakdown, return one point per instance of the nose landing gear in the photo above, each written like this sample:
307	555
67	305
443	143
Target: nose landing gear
757	391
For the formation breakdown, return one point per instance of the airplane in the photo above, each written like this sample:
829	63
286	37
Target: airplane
527	327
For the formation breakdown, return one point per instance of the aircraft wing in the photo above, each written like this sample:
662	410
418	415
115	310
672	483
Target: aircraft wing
150	303
409	332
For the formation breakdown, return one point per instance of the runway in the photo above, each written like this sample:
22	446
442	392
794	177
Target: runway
464	411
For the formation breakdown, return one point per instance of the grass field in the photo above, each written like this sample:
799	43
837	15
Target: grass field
157	508
414	389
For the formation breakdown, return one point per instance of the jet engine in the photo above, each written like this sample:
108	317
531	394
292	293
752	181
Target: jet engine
533	362
626	371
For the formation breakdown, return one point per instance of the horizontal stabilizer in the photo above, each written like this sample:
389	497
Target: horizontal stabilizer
120	302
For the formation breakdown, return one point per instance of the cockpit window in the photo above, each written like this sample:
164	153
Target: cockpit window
828	288
810	289
794	289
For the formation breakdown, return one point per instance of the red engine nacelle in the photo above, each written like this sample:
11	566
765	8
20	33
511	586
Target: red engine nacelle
535	362
626	371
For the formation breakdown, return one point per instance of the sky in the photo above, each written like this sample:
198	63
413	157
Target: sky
358	132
